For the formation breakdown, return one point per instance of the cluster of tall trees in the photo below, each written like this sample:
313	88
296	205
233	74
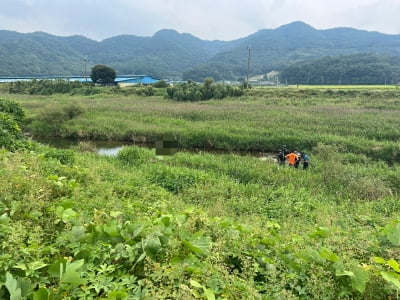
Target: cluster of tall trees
191	91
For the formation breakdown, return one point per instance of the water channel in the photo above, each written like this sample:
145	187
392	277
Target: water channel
111	148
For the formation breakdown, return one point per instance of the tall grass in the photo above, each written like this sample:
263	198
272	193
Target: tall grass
358	120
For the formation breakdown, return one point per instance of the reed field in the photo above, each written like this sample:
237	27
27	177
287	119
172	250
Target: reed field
204	225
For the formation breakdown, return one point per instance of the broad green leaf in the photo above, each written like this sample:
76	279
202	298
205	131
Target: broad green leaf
111	229
117	295
75	265
328	255
37	264
379	260
166	221
320	232
41	294
394	265
393	233
345	273
4	219
181	219
209	294
392	278
56	269
131	231
59	211
116	214
152	247
67	271
195	283
25	285
69	215
71	275
21	266
360	279
76	233
199	245
12	286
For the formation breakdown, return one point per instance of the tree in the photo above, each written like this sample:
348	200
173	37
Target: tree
103	74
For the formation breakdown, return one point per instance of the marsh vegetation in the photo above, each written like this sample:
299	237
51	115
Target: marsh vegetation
199	225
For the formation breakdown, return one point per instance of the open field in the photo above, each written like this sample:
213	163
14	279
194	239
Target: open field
206	226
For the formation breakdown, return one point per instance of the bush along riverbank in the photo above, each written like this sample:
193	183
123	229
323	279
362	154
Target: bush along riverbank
196	226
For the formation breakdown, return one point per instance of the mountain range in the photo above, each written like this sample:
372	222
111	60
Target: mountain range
173	55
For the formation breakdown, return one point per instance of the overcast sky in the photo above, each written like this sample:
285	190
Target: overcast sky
207	19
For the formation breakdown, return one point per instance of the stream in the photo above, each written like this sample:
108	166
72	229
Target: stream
111	148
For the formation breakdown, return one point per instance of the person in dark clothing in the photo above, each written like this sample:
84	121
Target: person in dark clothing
281	157
297	163
306	160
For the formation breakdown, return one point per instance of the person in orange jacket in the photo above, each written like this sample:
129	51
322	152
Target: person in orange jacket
292	158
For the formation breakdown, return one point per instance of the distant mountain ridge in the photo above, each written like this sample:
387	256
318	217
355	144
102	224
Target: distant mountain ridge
169	54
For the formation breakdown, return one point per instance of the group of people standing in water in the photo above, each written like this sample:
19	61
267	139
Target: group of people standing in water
293	158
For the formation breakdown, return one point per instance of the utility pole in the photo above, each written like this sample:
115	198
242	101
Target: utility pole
248	66
86	60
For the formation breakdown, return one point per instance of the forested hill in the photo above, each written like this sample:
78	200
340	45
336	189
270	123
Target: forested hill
296	42
169	54
345	69
166	54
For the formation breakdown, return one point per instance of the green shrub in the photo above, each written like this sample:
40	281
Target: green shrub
51	119
145	91
191	91
73	110
10	132
132	155
64	156
12	108
160	84
11	117
174	179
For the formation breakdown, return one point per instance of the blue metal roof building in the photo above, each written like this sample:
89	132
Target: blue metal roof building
135	79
